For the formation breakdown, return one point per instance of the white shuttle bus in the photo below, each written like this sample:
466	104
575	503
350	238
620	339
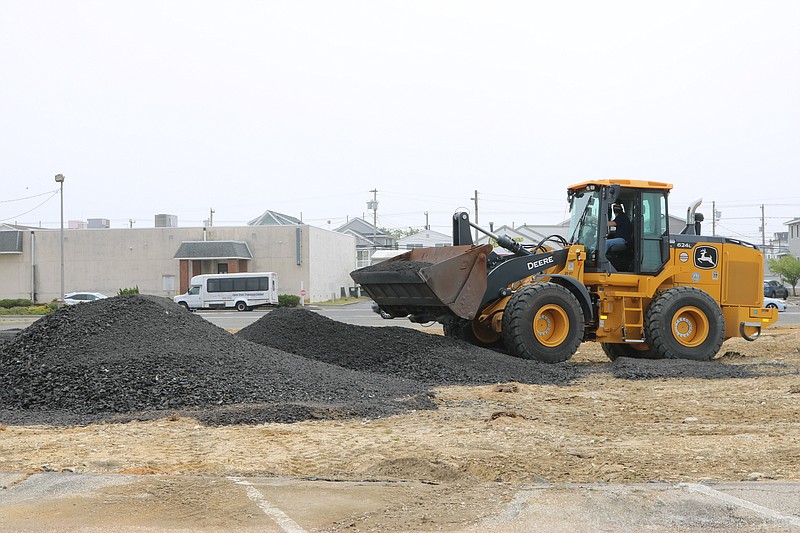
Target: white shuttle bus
243	291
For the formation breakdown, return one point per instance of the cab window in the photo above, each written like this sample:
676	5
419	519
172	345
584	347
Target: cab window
654	228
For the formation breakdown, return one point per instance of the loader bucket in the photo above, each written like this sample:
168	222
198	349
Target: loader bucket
429	284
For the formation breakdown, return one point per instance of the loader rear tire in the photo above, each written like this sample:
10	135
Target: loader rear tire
543	321
685	323
634	351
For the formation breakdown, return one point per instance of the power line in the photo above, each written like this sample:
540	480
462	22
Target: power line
28	197
34	209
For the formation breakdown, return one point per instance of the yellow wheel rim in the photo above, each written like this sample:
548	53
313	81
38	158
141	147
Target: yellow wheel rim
690	326
551	325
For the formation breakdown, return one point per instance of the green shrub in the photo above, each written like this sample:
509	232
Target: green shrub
288	300
16	302
132	290
28	310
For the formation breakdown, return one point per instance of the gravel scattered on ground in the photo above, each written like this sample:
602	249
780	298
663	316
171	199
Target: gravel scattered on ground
137	354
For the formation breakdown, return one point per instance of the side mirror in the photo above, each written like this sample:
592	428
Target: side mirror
664	248
612	193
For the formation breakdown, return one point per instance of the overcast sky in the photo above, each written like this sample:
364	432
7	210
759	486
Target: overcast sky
305	107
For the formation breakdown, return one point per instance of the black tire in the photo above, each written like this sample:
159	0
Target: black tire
543	321
616	350
685	323
241	306
468	331
185	306
771	306
385	315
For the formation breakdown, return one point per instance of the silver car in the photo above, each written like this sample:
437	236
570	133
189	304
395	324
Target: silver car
774	303
73	298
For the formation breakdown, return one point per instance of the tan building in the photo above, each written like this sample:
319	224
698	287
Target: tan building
161	261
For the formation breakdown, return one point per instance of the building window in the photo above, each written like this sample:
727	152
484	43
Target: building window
362	258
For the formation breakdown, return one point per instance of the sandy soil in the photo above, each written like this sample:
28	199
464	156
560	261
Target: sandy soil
482	441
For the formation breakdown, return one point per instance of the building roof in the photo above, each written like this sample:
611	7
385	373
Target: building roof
213	250
273	218
366	234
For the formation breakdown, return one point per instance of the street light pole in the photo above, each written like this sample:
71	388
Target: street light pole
60	181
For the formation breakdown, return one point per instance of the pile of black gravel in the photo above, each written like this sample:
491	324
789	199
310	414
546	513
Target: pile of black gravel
139	356
637	369
142	357
401	352
395	266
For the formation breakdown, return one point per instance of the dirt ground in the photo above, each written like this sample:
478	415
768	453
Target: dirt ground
481	442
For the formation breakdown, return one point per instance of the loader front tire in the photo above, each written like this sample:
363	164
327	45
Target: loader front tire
543	321
685	323
473	333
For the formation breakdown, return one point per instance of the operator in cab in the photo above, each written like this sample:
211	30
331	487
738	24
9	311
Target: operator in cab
623	229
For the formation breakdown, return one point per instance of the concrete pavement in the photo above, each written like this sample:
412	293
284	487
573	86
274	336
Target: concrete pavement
66	502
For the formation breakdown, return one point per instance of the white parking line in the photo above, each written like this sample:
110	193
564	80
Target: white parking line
278	516
733	500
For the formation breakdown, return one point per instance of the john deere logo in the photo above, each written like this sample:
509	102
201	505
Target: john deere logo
705	257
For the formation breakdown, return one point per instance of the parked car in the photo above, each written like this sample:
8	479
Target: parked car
73	298
780	305
773	289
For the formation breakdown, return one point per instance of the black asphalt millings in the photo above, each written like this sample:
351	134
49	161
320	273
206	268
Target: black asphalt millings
397	351
396	266
140	353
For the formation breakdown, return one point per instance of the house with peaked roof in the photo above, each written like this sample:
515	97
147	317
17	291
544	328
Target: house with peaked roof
273	218
527	234
369	239
426	238
793	236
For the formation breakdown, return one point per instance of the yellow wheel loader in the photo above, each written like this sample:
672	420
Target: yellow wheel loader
653	294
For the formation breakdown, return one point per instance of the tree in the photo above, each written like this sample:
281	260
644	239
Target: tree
788	267
400	233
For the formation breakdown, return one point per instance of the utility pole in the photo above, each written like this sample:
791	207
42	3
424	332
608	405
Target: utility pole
714	219
373	204
476	213
763	229
60	181
427	226
716	215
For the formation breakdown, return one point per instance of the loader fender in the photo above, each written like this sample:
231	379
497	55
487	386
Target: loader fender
580	292
518	268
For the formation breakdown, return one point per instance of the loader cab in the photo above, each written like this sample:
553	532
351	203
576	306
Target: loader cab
644	203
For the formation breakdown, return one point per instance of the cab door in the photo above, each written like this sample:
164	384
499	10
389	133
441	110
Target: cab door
653	225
